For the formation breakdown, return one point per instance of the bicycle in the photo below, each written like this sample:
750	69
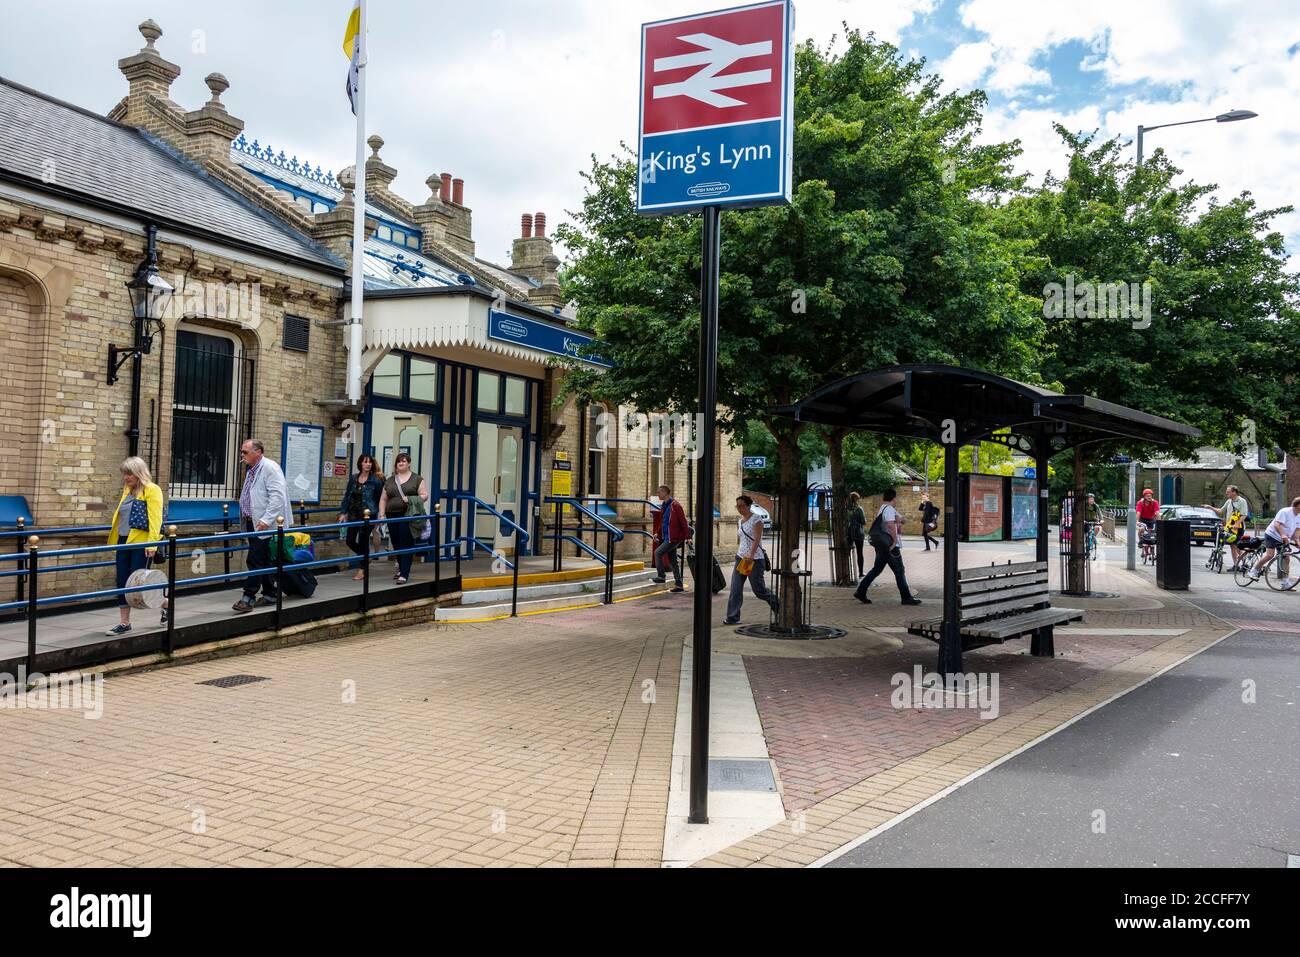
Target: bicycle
1215	562
1091	541
1147	538
1278	572
1251	551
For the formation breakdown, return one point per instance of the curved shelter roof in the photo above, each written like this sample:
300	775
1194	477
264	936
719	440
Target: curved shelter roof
916	400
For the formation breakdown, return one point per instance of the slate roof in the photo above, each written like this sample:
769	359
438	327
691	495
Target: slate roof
112	164
379	272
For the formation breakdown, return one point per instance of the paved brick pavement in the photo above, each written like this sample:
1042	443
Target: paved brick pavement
544	741
492	745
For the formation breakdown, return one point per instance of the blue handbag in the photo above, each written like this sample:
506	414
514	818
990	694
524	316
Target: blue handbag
139	516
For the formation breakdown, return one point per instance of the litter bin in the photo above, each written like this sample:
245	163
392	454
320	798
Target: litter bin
1174	555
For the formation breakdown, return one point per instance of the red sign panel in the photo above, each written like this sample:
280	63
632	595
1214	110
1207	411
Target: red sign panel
714	69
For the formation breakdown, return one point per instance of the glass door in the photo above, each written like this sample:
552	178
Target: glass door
498	482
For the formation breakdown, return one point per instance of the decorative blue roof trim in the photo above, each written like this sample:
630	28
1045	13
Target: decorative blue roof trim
268	155
401	264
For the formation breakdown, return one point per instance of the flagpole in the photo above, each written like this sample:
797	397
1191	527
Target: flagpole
355	329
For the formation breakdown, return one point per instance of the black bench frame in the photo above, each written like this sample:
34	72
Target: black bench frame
1001	602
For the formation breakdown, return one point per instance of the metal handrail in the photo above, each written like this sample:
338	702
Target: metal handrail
612	536
605	526
521	539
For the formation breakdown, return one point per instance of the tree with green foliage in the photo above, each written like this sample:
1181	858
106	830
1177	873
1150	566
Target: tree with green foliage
888	252
1209	342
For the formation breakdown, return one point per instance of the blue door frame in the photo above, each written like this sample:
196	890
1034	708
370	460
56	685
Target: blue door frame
445	423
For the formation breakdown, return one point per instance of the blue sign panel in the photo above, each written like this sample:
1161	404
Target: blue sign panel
717	97
543	337
754	462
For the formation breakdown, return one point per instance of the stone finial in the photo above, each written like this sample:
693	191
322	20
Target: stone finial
376	143
434	183
217	84
151	32
347	179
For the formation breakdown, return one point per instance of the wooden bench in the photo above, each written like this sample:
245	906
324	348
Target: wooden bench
1002	602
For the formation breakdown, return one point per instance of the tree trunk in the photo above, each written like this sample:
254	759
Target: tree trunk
792	515
1077	564
841	558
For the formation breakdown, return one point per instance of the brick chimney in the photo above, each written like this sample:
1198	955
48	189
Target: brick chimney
460	228
532	255
149	77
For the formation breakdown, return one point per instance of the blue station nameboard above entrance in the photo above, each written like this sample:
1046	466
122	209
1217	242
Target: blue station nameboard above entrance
543	337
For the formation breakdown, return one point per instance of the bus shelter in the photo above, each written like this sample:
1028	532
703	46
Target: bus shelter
952	407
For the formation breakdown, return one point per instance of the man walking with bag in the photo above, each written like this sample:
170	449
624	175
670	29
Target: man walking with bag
885	537
673	533
265	497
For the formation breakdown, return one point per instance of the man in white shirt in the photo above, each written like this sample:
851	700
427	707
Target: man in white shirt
1285	527
1233	504
886	538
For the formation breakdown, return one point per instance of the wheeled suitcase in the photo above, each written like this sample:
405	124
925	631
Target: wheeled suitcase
719	579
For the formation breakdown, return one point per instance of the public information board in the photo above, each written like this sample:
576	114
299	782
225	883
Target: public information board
717	102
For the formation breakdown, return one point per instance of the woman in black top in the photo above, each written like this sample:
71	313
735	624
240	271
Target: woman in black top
857	529
929	519
363	492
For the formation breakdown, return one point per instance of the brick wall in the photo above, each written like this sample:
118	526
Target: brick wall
67	425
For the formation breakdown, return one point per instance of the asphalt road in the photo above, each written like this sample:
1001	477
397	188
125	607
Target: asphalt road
1180	772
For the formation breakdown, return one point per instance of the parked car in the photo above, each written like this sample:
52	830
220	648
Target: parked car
762	513
1203	521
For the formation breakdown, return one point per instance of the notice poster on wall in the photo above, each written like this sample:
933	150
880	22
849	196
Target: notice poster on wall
984	508
1024	508
304	455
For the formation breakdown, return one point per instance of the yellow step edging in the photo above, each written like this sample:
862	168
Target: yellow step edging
548	578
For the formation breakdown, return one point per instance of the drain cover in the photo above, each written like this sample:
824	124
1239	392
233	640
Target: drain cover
727	774
233	681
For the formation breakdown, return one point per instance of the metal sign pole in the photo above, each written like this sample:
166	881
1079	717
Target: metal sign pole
706	443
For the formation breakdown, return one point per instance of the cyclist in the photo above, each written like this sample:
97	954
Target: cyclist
1147	510
1285	528
1234	514
1092	521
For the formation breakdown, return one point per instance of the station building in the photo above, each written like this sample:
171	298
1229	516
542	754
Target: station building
463	361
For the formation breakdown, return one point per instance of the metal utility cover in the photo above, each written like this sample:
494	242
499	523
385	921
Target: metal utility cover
730	774
233	681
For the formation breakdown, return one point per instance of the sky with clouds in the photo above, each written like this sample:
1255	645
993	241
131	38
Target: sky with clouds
515	95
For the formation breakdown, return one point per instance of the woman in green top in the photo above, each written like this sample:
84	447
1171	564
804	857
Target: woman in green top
395	502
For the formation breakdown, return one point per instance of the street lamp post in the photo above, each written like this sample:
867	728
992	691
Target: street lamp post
150	295
1232	116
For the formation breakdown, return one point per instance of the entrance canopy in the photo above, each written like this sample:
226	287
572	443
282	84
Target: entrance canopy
923	400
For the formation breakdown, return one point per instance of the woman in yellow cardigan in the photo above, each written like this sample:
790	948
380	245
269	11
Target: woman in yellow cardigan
138	519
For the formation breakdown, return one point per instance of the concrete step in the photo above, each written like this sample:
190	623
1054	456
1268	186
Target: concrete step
594	585
493	611
475	583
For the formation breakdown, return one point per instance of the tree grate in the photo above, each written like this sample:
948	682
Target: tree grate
233	681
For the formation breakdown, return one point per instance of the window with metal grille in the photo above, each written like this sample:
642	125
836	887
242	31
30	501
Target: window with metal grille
297	333
212	412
